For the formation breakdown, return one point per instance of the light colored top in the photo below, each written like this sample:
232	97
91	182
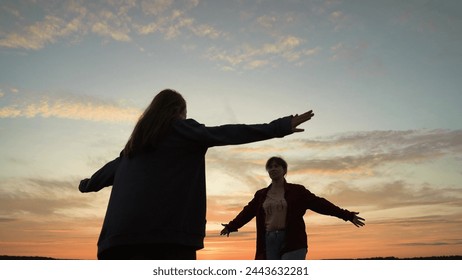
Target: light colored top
276	210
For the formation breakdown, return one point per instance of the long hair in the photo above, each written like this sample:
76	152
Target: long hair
155	122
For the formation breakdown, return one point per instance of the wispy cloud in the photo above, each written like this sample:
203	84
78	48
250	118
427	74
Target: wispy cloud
397	194
155	7
367	150
290	48
49	217
68	106
115	20
339	20
360	153
36	35
125	20
110	25
36	199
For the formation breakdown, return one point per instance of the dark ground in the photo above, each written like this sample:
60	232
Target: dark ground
376	258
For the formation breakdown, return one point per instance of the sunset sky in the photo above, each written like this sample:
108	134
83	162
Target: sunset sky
382	77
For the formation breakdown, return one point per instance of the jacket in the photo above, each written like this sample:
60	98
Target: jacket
160	196
299	199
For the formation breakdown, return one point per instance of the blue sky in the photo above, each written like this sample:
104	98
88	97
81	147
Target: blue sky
382	77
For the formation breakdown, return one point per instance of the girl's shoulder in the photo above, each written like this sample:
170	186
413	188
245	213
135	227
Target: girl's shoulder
187	122
294	186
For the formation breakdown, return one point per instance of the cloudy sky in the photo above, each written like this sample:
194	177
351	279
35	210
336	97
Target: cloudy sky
381	77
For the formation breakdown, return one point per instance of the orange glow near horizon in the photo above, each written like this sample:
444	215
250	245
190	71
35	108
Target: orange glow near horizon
343	241
402	232
328	237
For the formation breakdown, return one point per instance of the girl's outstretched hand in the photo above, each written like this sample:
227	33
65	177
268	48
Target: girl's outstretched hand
299	119
357	221
225	231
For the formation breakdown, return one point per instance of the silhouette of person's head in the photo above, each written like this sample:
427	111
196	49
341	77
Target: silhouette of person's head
155	122
278	162
168	103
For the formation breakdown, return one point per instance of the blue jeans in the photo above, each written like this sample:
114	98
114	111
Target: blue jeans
299	254
275	241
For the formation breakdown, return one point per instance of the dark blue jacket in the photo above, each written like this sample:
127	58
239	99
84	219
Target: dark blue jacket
160	196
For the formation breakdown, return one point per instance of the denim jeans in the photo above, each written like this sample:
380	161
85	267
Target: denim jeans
299	254
275	241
